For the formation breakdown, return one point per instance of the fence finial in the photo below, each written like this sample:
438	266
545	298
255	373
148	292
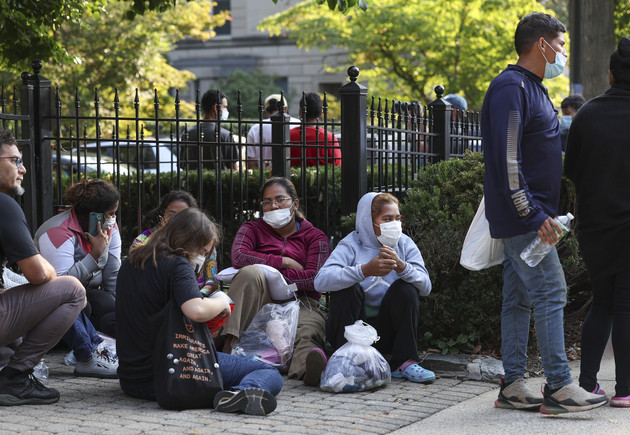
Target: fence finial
439	91
353	73
37	66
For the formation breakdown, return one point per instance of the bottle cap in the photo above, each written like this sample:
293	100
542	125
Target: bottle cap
570	216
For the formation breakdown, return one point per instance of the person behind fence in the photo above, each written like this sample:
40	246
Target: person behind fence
523	172
40	311
458	102
569	106
215	147
171	204
600	138
313	137
286	241
256	136
94	259
164	266
377	274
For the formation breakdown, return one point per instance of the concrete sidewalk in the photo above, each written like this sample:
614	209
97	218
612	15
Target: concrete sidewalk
447	406
479	416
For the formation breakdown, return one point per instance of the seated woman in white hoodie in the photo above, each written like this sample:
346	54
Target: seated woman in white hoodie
377	274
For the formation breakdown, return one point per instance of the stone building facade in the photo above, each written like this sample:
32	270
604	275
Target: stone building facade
241	46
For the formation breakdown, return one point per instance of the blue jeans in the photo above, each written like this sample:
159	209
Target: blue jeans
238	373
82	338
544	288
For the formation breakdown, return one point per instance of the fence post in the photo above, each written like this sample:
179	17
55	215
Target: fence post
280	149
353	98
35	94
442	112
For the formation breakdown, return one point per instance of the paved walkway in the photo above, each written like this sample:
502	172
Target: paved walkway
447	406
99	406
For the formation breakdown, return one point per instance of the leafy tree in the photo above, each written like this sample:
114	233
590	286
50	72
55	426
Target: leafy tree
622	19
138	60
407	48
30	28
249	83
342	5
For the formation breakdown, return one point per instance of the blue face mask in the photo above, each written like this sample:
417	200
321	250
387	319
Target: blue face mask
565	122
554	69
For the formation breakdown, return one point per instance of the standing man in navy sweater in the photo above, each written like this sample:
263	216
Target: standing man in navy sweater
523	159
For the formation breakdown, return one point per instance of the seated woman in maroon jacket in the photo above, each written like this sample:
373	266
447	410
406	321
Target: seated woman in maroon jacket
286	241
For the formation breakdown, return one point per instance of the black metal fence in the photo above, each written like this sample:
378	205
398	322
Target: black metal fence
382	146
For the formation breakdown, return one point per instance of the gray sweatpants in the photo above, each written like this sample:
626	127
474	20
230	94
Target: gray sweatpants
43	312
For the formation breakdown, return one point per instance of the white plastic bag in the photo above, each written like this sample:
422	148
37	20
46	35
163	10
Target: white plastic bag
278	287
480	250
271	335
356	366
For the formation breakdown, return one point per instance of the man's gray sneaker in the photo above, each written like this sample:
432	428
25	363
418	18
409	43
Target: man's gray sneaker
570	398
100	365
517	395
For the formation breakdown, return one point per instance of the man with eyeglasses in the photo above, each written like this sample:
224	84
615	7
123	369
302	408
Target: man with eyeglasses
41	310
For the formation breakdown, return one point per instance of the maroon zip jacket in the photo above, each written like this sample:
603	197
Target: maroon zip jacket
258	243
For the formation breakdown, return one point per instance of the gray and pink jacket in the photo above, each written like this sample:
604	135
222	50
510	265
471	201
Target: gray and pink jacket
61	241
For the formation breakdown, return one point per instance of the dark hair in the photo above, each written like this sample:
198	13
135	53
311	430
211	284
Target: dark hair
210	99
93	195
380	200
620	62
576	101
288	186
273	103
534	26
313	103
6	138
184	234
154	217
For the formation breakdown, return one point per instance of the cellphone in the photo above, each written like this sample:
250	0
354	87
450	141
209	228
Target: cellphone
94	219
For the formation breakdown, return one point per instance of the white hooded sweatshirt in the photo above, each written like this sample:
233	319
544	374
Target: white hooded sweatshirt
343	267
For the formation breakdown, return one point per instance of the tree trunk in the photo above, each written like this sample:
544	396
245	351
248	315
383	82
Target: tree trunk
592	42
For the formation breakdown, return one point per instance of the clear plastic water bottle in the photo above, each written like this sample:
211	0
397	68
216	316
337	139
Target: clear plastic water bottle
40	371
70	359
537	249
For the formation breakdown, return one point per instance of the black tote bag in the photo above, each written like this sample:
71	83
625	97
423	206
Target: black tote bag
185	362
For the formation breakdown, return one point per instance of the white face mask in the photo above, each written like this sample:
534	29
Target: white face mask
198	261
390	233
565	121
278	218
224	114
554	69
109	223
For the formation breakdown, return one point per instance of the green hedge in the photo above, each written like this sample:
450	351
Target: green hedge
464	307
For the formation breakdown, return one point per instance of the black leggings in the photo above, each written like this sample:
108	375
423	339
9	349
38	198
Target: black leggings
396	323
101	310
610	310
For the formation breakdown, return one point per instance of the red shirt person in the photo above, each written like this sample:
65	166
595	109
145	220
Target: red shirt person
320	147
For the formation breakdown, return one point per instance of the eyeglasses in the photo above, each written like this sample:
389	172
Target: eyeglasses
277	201
17	160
